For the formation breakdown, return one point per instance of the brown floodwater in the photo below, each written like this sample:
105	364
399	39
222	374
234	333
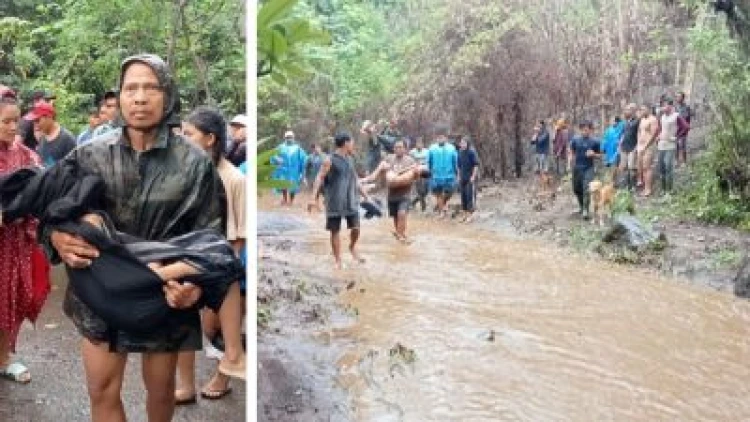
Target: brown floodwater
508	329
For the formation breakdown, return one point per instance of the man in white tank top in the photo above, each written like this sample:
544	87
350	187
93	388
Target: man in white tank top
672	127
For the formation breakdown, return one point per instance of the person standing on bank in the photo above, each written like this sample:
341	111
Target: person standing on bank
583	150
338	177
157	186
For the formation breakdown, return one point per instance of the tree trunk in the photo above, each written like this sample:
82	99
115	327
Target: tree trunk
499	120
517	131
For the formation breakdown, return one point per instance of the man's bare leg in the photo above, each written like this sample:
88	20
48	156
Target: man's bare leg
185	384
158	370
336	248
401	225
105	372
353	238
648	173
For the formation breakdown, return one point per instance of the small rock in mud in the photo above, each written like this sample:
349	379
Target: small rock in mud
402	352
350	285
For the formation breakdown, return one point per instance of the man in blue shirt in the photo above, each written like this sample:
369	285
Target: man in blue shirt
583	150
94	121
442	160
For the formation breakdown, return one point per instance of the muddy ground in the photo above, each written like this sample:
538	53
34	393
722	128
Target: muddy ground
58	389
297	369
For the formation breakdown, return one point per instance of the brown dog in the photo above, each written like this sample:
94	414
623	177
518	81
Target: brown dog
603	198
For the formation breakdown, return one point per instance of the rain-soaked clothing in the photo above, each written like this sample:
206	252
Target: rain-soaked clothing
290	158
167	191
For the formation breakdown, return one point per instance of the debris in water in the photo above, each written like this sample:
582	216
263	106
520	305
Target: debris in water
403	352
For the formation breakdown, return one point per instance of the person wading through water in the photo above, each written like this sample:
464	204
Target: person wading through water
400	171
157	186
419	153
338	177
442	160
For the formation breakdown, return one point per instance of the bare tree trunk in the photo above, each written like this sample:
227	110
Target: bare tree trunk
499	120
517	130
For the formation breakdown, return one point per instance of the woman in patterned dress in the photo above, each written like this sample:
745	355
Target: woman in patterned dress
17	242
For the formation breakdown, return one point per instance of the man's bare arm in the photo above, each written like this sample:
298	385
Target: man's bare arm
325	167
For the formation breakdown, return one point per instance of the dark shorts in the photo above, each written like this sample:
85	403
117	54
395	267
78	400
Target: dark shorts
182	331
443	187
396	205
681	144
333	224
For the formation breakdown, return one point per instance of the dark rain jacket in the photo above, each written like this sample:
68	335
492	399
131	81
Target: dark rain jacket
118	286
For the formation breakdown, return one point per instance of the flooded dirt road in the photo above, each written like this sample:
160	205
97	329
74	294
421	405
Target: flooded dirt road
466	324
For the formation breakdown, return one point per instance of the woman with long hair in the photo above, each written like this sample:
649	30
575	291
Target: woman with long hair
208	130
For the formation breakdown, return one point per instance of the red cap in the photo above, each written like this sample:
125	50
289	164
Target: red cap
41	109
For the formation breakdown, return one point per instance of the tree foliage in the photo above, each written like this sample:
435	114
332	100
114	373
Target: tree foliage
75	47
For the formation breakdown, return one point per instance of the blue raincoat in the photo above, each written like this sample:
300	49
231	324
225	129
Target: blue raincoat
611	143
290	158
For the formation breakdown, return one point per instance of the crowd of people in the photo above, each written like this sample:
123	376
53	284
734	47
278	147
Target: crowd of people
403	169
633	146
164	177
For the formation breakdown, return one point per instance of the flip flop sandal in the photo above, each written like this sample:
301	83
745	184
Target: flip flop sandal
14	371
215	395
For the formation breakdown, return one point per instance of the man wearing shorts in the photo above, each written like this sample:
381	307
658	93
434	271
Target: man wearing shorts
628	153
398	170
648	130
338	177
442	161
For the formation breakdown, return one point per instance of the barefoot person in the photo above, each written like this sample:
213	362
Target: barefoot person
17	241
399	171
583	150
207	129
442	161
648	130
628	149
157	186
422	186
673	128
342	191
468	168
